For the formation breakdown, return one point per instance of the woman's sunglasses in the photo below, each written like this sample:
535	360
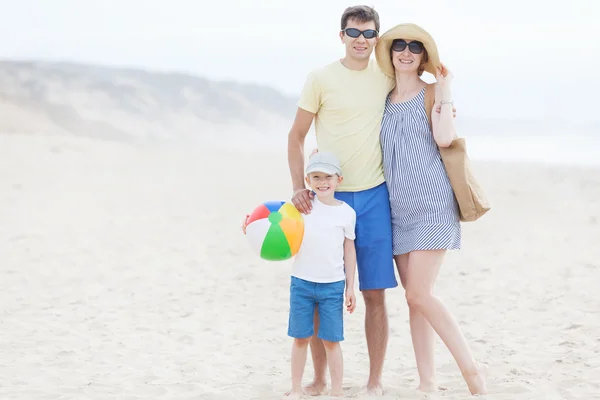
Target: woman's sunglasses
414	47
367	33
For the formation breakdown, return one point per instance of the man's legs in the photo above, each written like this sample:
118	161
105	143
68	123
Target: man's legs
375	271
376	331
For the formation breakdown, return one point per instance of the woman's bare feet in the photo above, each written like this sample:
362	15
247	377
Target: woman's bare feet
430	388
476	380
427	387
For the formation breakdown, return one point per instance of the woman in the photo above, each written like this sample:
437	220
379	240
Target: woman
425	214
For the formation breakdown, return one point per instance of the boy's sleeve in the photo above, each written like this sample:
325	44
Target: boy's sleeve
349	227
310	97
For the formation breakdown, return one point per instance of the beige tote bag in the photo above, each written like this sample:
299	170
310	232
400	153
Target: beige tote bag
471	199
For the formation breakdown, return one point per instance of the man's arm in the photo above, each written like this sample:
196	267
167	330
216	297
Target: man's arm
296	138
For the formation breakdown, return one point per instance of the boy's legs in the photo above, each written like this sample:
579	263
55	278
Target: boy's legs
336	366
375	270
330	297
298	361
319	359
300	327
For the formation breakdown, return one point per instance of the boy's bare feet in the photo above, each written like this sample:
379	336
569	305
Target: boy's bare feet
292	395
476	380
315	388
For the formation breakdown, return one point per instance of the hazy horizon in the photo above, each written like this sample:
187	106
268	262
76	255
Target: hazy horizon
510	60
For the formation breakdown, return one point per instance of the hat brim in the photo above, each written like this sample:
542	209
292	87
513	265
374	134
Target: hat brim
408	32
324	168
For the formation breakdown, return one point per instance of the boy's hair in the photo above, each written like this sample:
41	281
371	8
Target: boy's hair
360	14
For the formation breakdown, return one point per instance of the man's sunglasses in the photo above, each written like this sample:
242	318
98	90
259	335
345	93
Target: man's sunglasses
414	47
367	33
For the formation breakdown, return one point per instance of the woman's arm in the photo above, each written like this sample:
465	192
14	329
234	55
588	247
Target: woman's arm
443	128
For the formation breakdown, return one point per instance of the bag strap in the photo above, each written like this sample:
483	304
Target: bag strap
429	101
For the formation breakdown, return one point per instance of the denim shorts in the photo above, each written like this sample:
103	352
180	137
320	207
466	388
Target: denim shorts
329	299
374	253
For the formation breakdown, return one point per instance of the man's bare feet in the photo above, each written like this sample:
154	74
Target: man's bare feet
316	388
476	380
375	389
336	394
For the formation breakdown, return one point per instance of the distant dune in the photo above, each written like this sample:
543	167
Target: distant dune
137	105
130	104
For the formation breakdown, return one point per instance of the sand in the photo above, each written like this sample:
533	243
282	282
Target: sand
124	275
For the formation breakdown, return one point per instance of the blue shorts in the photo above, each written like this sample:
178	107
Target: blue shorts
329	297
374	254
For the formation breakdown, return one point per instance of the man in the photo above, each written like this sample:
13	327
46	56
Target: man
346	99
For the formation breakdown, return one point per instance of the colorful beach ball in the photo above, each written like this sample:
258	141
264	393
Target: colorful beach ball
275	230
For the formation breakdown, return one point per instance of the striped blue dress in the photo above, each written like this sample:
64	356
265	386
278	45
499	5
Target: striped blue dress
424	209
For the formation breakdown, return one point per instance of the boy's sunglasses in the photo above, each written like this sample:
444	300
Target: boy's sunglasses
414	47
367	33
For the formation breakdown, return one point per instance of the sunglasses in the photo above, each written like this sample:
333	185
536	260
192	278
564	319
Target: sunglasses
414	47
367	33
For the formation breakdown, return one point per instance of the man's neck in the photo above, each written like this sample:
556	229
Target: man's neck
353	64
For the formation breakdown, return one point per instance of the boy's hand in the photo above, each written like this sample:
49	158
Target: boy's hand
350	300
245	223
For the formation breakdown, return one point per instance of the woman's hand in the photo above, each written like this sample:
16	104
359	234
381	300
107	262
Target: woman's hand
444	79
442	89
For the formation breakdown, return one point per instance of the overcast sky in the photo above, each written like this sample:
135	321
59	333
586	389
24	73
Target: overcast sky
515	59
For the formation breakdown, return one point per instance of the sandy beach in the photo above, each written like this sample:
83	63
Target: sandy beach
124	276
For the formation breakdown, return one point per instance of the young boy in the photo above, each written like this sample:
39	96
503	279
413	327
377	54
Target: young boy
324	266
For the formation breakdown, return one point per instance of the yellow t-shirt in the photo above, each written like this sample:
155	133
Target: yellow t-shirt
349	107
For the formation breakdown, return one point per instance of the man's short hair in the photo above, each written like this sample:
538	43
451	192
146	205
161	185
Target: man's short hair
360	14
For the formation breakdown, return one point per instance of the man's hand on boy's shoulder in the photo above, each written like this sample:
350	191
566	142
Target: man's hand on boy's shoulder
302	200
350	300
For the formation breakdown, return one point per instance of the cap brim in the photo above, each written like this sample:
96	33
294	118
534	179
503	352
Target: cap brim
324	168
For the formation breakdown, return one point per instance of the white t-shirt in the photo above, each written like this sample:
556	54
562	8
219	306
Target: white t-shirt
321	255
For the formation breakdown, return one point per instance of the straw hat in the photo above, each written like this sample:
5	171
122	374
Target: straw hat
408	32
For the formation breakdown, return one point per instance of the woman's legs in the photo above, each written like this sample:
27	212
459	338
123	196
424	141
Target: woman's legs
422	334
423	268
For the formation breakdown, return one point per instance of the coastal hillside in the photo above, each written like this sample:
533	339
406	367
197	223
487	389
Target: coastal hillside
131	104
